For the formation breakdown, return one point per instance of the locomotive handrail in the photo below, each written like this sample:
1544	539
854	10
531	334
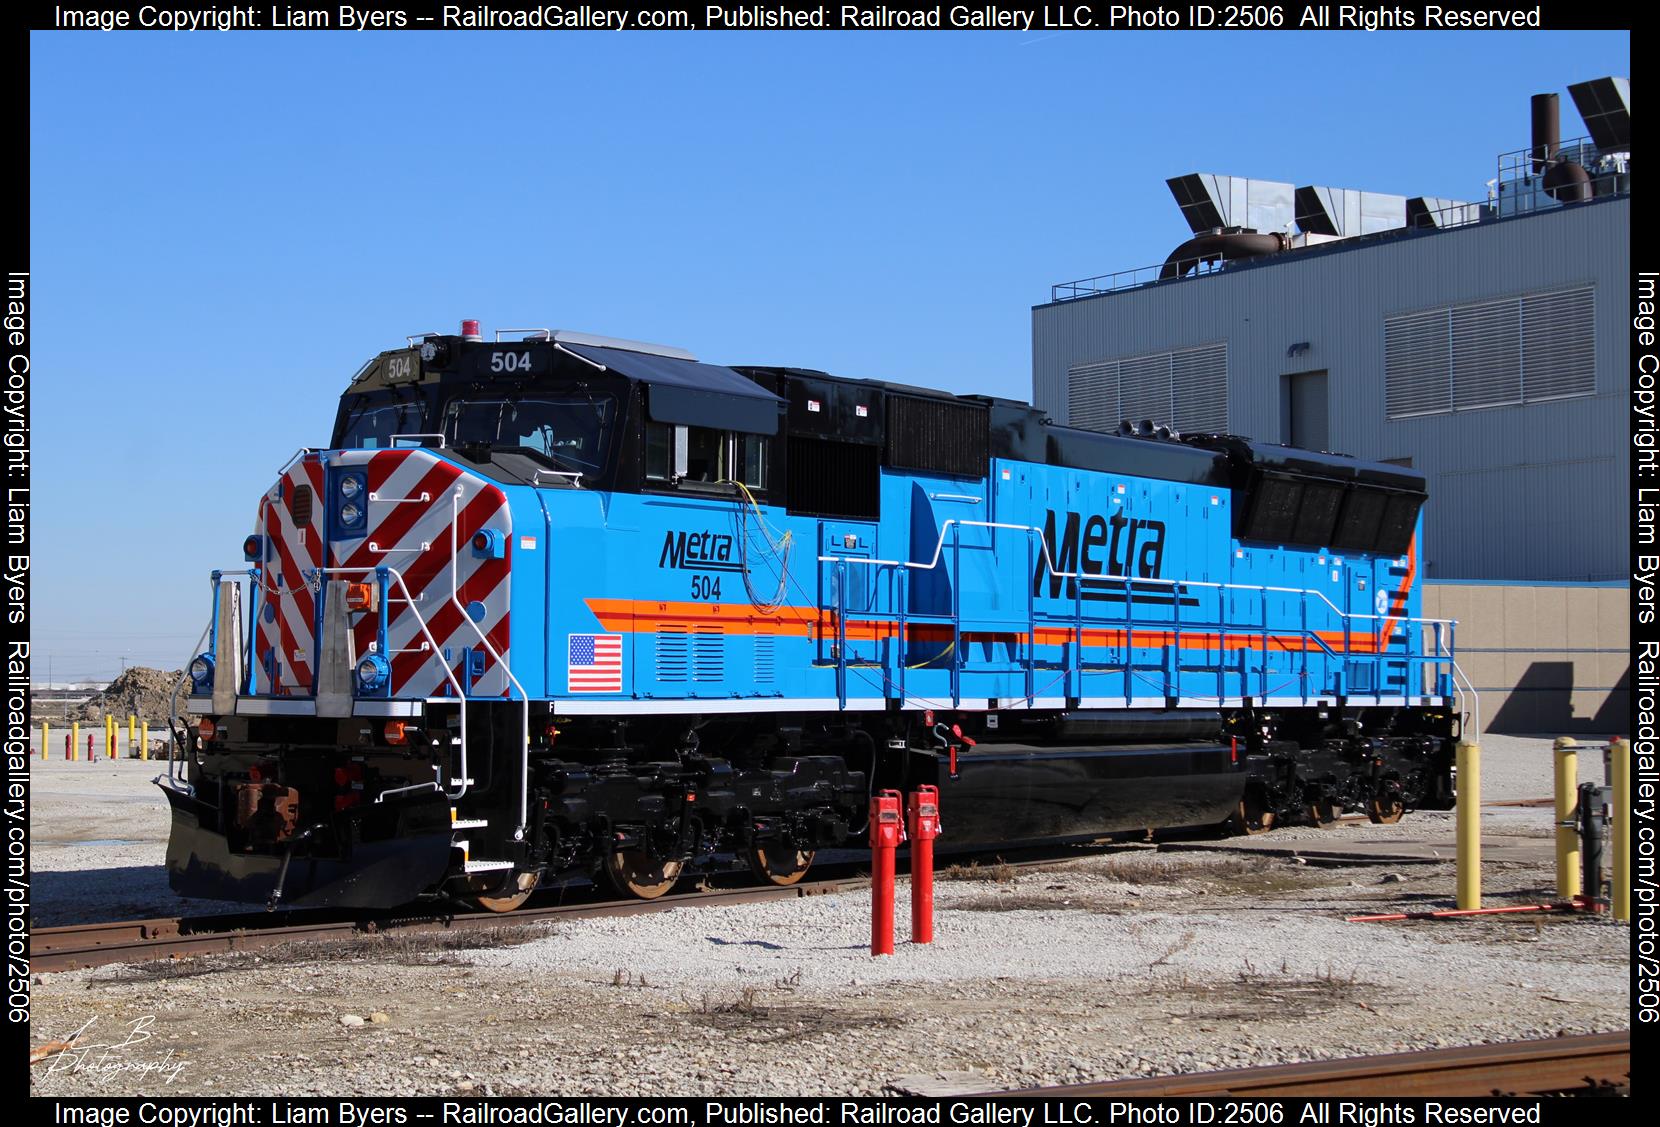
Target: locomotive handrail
1049	568
294	457
524	697
173	715
574	475
420	621
950	526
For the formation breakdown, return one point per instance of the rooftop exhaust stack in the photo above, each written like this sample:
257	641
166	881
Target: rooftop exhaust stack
1547	131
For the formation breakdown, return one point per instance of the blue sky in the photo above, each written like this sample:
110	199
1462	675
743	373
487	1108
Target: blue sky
225	226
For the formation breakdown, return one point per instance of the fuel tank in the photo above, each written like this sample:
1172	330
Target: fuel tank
1013	793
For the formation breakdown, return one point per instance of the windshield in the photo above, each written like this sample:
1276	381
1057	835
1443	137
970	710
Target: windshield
570	433
371	428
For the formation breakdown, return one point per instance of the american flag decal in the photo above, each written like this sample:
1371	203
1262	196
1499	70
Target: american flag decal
595	663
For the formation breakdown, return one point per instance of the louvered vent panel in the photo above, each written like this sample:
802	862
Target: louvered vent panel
1187	390
766	661
1417	363
1144	388
299	506
673	654
1486	355
1092	396
708	653
1559	357
1199	390
1521	349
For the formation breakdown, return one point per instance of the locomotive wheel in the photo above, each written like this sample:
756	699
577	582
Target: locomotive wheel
1385	809
502	900
1253	815
779	865
1323	812
634	872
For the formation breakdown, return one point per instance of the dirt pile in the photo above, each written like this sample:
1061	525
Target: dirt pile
140	691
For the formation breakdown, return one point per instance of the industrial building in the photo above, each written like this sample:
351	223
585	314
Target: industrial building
1484	342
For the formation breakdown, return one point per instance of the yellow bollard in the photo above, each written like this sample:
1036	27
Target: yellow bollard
1469	827
1567	822
144	740
75	742
132	734
1620	761
45	739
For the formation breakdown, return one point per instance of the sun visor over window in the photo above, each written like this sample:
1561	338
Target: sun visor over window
692	394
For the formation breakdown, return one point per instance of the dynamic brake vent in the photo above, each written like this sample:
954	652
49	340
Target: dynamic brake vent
299	506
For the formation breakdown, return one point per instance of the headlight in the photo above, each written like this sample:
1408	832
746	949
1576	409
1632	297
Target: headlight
201	672
350	513
372	672
350	487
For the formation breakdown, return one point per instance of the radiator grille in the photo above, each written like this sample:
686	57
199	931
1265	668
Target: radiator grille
938	436
833	479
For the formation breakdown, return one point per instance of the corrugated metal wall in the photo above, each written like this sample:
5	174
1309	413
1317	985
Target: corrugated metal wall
1537	491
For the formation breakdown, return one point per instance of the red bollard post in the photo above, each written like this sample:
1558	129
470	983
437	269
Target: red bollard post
887	831
68	748
89	755
924	811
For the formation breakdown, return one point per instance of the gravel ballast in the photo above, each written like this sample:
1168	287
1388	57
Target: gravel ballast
1135	961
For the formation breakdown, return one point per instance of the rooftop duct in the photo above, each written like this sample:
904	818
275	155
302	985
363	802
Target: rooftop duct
1210	201
1433	211
1346	212
1605	104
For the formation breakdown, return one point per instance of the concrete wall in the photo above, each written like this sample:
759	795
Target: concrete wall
1550	659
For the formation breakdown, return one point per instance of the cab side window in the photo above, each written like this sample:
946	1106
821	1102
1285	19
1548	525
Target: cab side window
691	457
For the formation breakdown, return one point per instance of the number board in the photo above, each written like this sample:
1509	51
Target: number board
513	361
400	367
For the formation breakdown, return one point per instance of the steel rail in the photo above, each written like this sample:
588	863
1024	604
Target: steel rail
1587	1062
77	947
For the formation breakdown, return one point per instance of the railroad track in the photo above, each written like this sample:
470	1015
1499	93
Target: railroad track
1596	1062
79	946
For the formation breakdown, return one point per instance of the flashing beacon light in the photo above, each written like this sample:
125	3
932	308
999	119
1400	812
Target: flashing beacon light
469	331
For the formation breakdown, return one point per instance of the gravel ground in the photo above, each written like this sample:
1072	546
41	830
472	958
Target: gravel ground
1135	961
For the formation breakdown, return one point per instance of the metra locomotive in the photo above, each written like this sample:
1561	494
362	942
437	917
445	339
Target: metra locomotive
566	604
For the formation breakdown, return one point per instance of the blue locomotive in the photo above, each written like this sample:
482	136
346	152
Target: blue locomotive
561	604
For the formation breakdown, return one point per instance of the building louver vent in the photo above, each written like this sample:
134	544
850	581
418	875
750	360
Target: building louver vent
1187	390
1490	354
